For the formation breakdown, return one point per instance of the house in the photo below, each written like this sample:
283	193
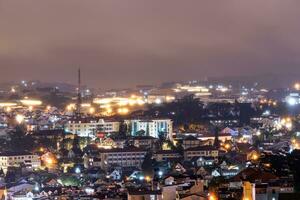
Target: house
205	161
253	175
230	131
194	196
179	168
223	137
144	194
266	191
194	190
115	175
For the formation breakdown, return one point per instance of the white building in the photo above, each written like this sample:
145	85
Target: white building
153	127
89	127
11	159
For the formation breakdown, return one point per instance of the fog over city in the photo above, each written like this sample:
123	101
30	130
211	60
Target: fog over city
124	43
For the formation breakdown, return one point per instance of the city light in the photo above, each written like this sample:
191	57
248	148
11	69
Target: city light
71	107
8	109
85	105
77	170
147	178
31	102
7	104
212	196
227	146
92	110
160	173
20	118
158	101
30	108
123	111
297	86
255	156
291	101
48	107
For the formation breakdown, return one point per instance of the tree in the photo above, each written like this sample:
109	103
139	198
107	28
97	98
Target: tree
147	165
216	141
294	163
123	128
140	133
76	145
19	141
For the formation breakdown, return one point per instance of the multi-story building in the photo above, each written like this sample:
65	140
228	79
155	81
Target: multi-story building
24	159
135	194
152	127
127	157
201	151
88	127
191	141
145	142
166	155
222	137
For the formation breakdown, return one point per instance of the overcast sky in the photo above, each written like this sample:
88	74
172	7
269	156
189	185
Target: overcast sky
121	43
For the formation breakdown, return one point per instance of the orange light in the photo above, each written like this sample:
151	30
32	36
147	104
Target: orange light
255	157
227	146
92	110
212	196
148	179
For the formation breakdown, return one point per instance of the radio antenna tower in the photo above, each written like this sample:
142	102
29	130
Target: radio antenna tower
78	103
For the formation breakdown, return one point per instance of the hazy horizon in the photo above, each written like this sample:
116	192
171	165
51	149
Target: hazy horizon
130	42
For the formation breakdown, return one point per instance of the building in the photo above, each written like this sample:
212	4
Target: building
222	137
190	142
201	151
88	127
12	159
127	157
145	142
165	155
135	194
152	127
49	134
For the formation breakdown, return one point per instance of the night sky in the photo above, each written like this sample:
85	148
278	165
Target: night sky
120	43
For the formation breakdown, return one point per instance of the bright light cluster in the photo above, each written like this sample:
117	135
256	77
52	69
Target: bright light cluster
120	101
31	102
